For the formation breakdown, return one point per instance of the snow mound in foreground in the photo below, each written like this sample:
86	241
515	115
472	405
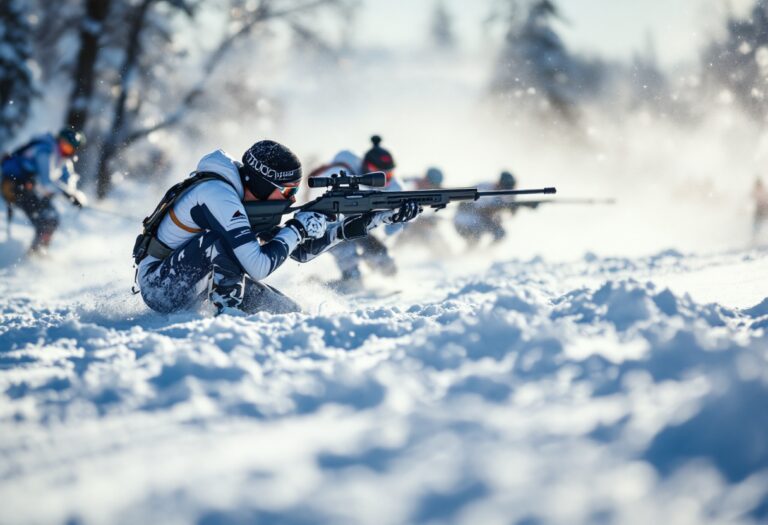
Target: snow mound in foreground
504	400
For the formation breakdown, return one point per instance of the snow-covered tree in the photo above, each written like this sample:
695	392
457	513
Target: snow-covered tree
739	64
441	28
650	87
130	72
17	82
154	91
55	29
535	65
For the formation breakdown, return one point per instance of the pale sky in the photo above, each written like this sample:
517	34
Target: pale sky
609	28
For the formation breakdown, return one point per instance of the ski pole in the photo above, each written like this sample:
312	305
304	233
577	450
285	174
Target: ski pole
112	213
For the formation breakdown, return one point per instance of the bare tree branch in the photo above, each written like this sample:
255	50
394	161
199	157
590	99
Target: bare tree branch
260	14
85	71
132	52
311	37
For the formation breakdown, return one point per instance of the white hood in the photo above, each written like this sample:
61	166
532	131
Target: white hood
350	159
221	163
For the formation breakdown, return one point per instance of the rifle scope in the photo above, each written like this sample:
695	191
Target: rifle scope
377	179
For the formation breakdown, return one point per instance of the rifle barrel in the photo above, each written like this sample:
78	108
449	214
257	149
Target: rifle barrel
353	201
585	201
563	201
499	193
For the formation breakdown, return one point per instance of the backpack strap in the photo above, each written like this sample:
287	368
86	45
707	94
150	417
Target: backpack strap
158	249
147	242
200	176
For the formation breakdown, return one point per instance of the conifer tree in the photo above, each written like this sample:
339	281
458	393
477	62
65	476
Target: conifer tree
441	28
17	82
739	64
535	65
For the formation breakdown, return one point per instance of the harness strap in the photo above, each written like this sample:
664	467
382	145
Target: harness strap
181	225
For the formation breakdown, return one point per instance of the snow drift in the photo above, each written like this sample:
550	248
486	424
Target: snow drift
530	392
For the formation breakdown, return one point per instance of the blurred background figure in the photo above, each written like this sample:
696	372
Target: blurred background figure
432	179
344	160
371	250
34	173
425	231
760	196
474	220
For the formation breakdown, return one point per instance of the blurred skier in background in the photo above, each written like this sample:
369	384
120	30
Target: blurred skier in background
474	220
198	244
370	250
760	196
34	173
431	180
426	231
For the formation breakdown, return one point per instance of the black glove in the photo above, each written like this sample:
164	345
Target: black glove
76	197
407	212
308	224
358	227
75	201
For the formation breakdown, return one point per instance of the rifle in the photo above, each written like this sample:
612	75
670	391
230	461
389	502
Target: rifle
535	204
345	197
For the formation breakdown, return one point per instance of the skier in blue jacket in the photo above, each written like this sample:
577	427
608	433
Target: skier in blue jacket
34	173
204	248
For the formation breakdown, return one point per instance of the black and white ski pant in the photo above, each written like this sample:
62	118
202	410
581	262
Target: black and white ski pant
202	269
38	209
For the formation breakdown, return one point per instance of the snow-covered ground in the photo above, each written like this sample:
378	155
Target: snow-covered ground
497	387
603	365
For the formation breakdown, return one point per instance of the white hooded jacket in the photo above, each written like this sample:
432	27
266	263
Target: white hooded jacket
217	206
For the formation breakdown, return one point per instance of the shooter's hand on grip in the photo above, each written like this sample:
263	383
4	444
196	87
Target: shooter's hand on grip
407	212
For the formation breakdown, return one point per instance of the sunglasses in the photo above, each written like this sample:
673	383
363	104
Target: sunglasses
66	148
288	192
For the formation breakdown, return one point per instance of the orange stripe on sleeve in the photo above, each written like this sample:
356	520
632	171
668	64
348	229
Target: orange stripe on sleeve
181	225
